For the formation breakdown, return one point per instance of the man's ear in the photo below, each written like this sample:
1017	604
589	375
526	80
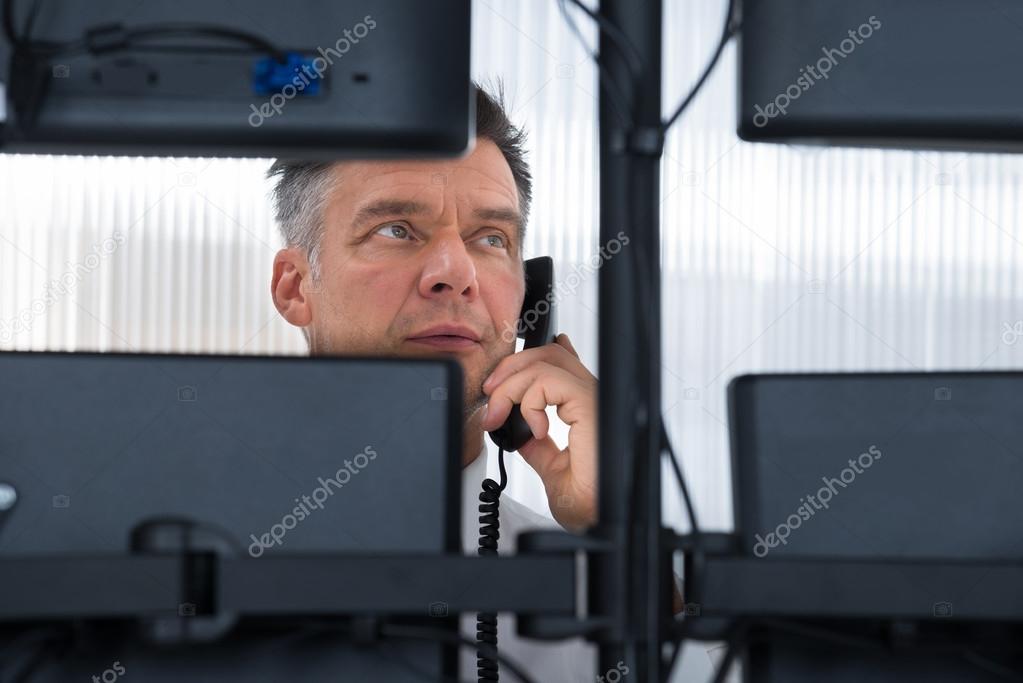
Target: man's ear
291	270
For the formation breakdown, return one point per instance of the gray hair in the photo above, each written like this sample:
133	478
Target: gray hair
302	187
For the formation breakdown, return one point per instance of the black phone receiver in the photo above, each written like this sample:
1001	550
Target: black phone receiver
537	326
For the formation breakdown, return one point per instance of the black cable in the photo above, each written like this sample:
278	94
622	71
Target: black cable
24	40
17	647
631	56
615	97
29	61
644	325
680	478
428	633
30	21
621	41
490	532
38	653
730	29
989	665
629	50
129	37
676	650
736	641
9	30
643	322
125	39
206	30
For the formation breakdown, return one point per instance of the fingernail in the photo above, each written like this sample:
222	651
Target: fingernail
483	415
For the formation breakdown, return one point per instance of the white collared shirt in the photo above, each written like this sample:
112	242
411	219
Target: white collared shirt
568	660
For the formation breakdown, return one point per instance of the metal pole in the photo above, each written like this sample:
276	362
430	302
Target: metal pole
631	586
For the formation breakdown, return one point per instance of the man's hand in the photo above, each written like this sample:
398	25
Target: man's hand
553	375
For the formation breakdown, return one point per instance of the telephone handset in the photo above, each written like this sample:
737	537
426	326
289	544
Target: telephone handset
537	326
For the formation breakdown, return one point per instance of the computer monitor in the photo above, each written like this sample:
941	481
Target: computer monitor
270	455
907	74
879	466
311	79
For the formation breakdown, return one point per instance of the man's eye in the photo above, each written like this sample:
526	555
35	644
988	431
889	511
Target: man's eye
394	231
494	241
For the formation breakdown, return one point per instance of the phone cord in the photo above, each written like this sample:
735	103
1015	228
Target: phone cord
490	532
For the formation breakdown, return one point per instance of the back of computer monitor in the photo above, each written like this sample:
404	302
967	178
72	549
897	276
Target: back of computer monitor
913	73
308	79
879	466
267	456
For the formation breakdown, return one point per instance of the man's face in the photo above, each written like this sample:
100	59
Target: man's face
419	258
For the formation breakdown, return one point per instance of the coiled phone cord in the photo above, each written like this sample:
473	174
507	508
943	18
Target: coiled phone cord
490	532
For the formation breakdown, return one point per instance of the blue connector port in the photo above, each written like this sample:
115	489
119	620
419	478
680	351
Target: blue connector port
270	76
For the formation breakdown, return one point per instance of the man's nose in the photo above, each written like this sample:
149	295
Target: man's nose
449	269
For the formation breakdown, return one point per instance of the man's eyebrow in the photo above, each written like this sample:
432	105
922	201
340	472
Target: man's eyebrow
388	207
509	216
501	215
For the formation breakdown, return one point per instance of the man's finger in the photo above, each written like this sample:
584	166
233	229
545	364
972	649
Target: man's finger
554	386
541	454
554	354
534	410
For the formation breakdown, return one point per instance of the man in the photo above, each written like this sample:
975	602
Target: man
420	258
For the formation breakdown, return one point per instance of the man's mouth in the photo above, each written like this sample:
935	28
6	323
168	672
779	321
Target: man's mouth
445	342
447	337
